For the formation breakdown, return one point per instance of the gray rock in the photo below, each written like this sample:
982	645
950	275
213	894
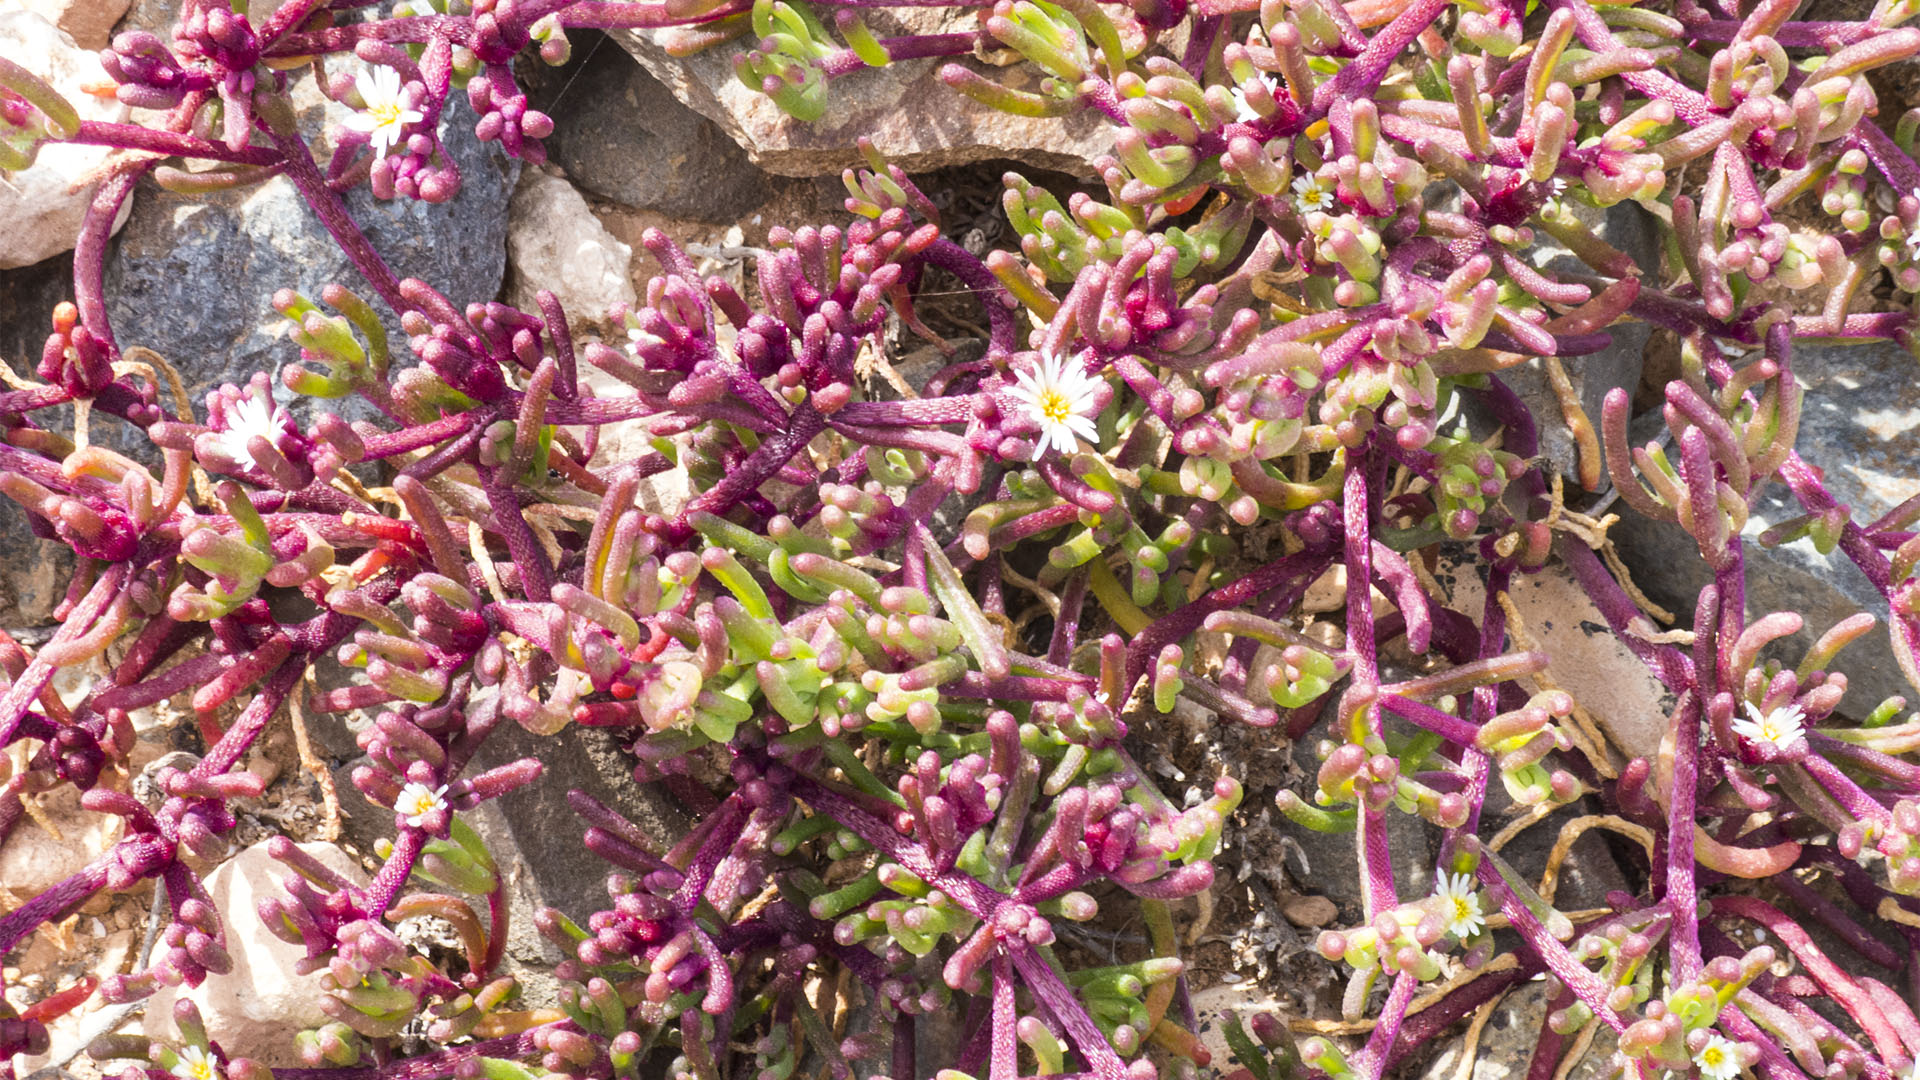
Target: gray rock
193	277
556	243
1860	423
33	572
1634	231
1329	863
546	833
1508	1039
623	136
911	116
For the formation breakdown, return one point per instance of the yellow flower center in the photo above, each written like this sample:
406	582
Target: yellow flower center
1712	1056
1461	909
386	113
1055	406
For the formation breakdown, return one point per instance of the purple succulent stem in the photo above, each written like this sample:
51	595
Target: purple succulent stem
1046	985
411	30
765	461
974	274
1774	1064
954	409
1422	1028
1689	106
332	212
90	249
441	1065
536	574
233	746
168	143
1418	713
1006	1044
1372	1059
1837	983
1901	774
1682	895
1011	687
1845	791
1486	699
388	444
1837	920
54	903
1886	155
26	689
1669	664
1572	974
1169	628
1380	893
1359	77
903	1036
384	889
728	823
915	47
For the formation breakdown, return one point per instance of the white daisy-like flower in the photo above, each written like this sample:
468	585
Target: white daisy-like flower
1717	1060
1309	195
254	414
195	1064
1459	905
1243	110
1781	728
1059	396
417	800
386	115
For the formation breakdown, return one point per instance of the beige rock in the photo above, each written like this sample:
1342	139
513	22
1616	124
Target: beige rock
554	242
1310	911
39	215
88	22
1585	658
1214	1004
255	1009
911	116
33	860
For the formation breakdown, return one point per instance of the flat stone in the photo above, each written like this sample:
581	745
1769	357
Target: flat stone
33	860
912	117
623	136
1860	422
1584	657
554	242
193	277
254	1010
40	209
88	22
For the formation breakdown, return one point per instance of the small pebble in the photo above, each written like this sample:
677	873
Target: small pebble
1315	911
